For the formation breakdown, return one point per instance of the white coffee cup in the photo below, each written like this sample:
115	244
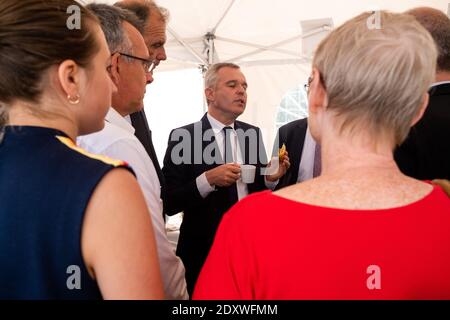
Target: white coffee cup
248	173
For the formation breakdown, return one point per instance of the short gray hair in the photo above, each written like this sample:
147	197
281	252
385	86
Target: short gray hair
376	79
144	9
111	21
211	74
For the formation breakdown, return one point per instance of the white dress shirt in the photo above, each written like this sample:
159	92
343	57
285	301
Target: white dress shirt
117	140
306	167
439	83
203	185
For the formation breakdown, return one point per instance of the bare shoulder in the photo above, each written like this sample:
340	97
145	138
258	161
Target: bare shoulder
117	185
117	241
114	202
117	192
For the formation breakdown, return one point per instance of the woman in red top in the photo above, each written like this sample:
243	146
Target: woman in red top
362	230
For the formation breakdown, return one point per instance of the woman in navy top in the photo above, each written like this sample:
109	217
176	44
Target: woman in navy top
72	225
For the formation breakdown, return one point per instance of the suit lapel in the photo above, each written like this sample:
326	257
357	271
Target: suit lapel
297	141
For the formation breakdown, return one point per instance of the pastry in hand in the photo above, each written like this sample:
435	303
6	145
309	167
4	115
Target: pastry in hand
281	152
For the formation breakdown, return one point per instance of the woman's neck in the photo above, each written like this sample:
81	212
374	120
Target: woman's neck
356	154
22	114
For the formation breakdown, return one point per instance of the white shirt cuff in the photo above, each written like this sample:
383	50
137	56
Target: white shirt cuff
203	186
271	184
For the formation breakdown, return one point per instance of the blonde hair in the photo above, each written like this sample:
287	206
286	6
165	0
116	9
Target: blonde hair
376	79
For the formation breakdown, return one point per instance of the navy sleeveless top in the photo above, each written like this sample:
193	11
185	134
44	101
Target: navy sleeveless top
45	185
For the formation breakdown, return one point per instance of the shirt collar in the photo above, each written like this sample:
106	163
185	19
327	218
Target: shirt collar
309	138
115	118
216	125
128	118
439	83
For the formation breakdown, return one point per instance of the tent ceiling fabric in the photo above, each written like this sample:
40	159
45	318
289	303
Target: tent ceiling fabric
241	27
258	22
261	23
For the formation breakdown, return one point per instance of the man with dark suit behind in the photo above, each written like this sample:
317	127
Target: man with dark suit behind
425	154
202	165
304	153
155	20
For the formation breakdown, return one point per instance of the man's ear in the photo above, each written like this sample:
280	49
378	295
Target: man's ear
69	78
423	107
317	96
115	69
209	94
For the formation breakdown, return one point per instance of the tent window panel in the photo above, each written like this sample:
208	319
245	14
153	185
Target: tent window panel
293	106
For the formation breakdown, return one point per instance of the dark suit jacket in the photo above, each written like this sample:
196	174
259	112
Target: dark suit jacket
425	154
292	135
201	216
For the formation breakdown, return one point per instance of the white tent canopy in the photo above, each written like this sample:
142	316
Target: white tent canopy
264	37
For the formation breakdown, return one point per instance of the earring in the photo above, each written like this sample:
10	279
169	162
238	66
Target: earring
72	100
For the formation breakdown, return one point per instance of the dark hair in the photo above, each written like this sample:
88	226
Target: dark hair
111	19
34	35
143	9
438	25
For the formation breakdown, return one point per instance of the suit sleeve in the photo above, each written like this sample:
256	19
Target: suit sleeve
181	188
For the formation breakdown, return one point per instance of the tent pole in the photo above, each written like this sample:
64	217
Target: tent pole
185	40
268	48
213	31
210	50
187	46
258	46
274	62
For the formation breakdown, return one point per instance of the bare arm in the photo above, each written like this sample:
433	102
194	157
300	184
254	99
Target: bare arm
118	243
